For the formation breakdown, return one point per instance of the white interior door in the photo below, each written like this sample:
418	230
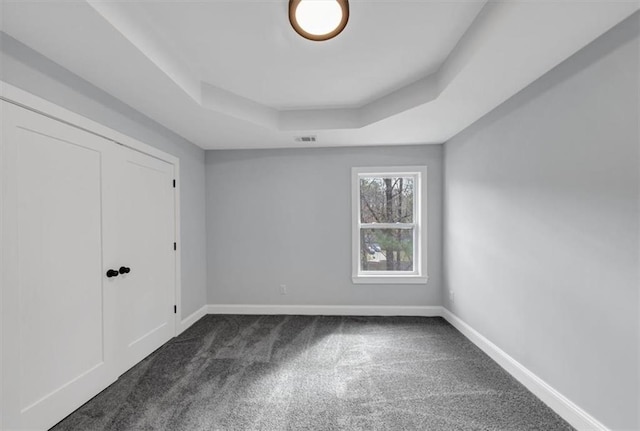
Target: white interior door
58	308
75	206
145	246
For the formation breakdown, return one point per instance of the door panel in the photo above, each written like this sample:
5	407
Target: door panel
53	176
58	308
146	232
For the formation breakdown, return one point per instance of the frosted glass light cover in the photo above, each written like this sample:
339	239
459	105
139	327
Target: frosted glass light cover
318	19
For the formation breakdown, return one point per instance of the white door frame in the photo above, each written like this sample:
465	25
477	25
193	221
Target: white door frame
17	96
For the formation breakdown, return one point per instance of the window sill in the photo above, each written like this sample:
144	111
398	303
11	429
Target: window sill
389	279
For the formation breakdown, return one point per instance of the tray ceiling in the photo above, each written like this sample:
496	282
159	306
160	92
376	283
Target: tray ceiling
235	74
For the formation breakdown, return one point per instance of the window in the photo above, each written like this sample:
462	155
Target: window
388	230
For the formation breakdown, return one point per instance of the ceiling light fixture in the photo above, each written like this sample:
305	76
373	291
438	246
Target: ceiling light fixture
318	19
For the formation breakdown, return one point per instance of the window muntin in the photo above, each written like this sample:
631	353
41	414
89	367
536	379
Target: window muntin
387	227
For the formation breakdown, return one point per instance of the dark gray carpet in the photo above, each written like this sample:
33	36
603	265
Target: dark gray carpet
316	373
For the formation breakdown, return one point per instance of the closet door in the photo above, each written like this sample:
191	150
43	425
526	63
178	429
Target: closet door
58	306
145	226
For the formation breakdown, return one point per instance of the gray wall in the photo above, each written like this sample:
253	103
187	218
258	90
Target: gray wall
541	227
25	68
284	217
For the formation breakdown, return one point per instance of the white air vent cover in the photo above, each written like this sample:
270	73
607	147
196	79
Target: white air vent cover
311	138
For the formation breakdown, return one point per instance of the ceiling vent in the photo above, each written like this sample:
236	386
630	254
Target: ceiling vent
311	138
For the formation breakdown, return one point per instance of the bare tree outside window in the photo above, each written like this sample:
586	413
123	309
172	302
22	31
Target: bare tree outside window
385	201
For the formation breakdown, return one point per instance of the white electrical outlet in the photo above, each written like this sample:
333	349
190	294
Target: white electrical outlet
452	297
283	289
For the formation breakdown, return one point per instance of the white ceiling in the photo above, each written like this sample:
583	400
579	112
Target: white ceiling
250	49
233	74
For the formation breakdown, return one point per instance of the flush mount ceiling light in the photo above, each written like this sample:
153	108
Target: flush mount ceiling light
318	19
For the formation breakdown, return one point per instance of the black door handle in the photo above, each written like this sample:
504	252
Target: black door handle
112	273
124	270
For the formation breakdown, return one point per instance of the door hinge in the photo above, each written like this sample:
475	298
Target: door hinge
174	184
175	246
175	309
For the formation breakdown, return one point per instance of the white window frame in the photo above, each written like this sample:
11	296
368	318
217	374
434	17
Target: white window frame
418	275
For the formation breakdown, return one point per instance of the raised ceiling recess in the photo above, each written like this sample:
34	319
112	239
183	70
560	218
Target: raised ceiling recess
234	74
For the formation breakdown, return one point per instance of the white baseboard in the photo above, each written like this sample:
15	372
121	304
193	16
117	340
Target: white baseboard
326	310
570	412
192	318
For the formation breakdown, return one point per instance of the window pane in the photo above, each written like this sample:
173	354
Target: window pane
386	200
386	249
